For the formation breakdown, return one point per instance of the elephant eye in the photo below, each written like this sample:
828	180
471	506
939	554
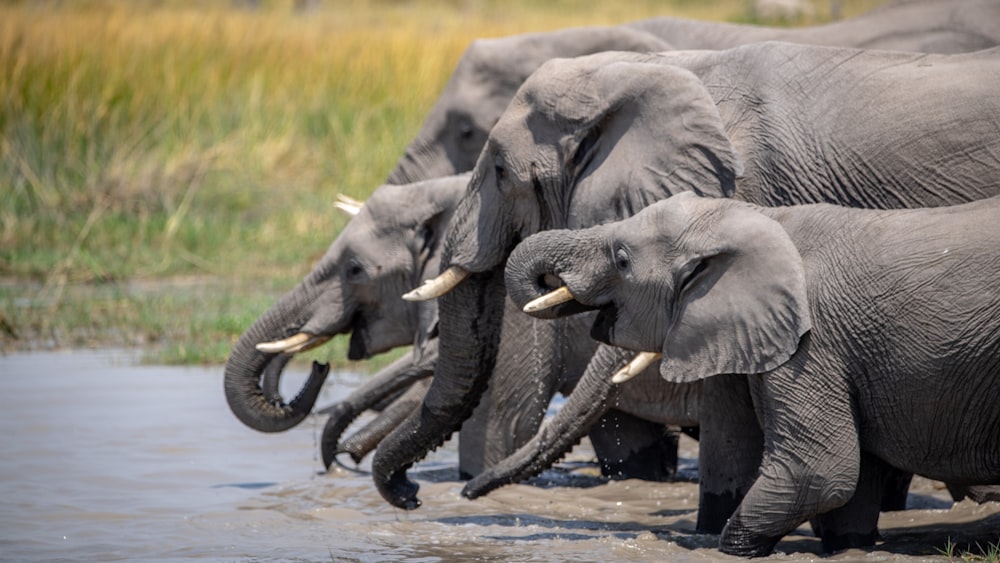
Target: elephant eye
354	271
622	260
465	130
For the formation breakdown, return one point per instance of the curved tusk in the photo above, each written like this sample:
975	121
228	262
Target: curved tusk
640	362
349	200
349	209
301	342
348	205
549	300
436	287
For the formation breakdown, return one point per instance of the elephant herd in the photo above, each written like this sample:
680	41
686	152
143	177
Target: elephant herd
798	230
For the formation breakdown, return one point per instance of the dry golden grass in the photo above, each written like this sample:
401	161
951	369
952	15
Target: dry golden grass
151	139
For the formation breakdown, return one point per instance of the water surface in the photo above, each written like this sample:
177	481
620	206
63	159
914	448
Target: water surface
103	459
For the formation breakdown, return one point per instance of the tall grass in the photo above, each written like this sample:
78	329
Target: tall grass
156	139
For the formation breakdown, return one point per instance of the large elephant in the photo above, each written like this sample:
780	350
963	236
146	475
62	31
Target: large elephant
392	243
595	139
353	289
863	332
489	74
491	70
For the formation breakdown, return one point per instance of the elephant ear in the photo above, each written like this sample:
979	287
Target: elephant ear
741	305
651	126
433	204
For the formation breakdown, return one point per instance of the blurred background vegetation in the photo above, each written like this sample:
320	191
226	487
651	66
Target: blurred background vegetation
168	168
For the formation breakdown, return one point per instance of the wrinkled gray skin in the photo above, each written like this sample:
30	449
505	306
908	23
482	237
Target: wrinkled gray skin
391	244
379	392
862	332
646	397
491	70
597	138
354	288
486	79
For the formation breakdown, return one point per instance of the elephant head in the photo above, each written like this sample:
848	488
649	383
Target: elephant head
583	142
391	243
711	284
483	83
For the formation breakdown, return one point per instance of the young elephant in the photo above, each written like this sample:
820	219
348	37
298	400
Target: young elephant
868	336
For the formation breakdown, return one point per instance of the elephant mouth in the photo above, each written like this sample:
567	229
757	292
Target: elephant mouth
358	348
604	324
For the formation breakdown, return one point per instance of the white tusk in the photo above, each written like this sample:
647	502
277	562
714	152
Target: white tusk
301	342
349	209
436	287
549	300
349	200
348	205
640	362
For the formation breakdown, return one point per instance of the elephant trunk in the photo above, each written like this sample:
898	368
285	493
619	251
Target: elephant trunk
391	381
592	397
365	440
470	319
265	410
542	263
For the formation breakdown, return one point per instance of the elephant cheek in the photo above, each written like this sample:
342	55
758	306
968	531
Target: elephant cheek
604	324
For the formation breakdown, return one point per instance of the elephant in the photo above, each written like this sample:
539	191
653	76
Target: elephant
925	26
391	243
489	74
354	288
490	71
596	138
866	336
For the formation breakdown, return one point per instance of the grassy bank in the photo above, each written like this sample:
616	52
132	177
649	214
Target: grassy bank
167	171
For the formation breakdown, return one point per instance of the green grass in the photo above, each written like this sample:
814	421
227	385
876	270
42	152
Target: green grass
147	142
969	553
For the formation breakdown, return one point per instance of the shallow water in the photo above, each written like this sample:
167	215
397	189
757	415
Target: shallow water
103	459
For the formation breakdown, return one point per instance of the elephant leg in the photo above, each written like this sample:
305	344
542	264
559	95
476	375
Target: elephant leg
811	463
856	523
629	447
730	446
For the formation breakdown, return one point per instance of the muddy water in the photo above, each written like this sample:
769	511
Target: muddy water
104	460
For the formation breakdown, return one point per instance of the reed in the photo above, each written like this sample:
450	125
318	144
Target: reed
155	139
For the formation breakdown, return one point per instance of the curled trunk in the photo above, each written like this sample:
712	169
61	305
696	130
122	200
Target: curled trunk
267	411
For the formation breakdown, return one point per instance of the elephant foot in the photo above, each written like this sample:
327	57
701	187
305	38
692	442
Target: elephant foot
714	510
737	540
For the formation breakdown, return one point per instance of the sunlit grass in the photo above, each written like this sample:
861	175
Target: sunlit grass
148	140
